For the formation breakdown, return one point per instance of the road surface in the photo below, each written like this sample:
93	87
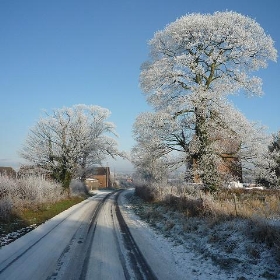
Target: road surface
91	240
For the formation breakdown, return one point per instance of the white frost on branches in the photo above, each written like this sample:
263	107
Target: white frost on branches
195	63
200	52
71	139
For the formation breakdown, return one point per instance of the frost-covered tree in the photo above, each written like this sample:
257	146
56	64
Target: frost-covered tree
274	149
70	140
149	155
235	145
159	136
195	63
148	167
269	174
154	158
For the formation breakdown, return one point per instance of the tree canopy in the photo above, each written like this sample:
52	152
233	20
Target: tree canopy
204	54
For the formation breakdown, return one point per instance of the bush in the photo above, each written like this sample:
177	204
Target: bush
147	193
5	208
27	192
77	188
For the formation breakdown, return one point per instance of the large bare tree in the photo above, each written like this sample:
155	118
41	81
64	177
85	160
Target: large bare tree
195	63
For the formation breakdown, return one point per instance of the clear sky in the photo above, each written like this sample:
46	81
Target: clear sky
59	53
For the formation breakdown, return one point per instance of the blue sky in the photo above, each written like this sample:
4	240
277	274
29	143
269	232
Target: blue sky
59	53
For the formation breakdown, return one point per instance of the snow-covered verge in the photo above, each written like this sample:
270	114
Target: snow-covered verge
7	238
205	248
29	192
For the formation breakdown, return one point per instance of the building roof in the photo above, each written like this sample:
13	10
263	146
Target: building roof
100	171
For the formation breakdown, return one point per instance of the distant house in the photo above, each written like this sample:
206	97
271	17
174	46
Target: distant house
101	175
8	171
92	184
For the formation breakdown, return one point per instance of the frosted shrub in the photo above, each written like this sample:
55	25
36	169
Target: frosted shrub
146	192
77	188
5	208
6	185
37	190
30	191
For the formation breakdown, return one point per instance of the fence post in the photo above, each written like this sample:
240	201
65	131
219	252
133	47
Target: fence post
235	203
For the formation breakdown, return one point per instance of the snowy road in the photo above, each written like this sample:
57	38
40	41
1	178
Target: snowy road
88	241
102	239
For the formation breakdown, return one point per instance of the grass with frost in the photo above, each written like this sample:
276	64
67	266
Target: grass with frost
229	245
20	223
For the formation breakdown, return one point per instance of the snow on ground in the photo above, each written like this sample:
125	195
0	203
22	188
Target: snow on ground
193	248
6	239
203	249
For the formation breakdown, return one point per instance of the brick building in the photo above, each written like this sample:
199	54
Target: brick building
102	175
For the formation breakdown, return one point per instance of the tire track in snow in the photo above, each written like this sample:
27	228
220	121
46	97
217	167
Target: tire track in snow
73	262
139	265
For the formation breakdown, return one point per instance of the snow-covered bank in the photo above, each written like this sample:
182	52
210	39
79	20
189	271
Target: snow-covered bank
203	248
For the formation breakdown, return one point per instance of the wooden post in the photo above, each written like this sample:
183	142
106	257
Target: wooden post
235	204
